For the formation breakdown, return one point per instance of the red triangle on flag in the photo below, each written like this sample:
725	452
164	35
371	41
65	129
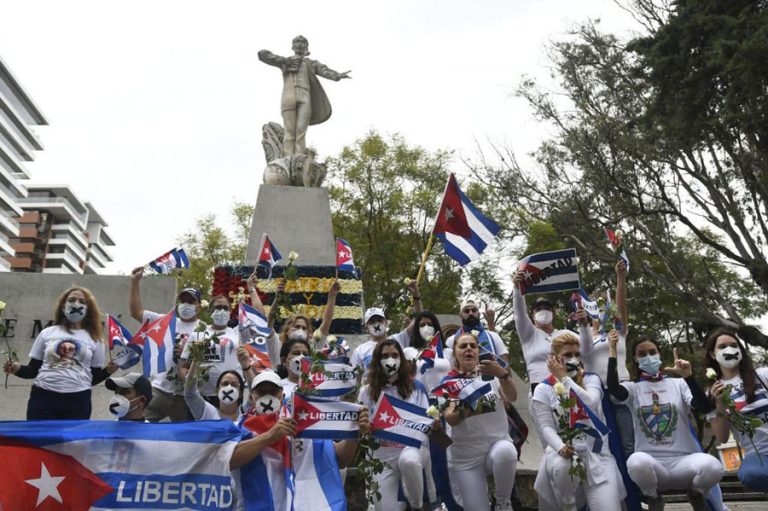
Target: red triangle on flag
386	416
38	479
451	217
262	423
303	413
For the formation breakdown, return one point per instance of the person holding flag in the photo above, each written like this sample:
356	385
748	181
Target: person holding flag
66	360
667	454
479	427
168	399
299	326
556	484
403	465
292	352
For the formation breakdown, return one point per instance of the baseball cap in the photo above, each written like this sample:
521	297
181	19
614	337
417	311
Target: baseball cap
266	376
372	313
190	291
468	301
542	303
135	381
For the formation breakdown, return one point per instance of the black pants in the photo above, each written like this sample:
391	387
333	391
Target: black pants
49	405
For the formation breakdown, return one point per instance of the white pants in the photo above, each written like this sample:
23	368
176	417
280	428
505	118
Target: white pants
501	461
697	471
407	469
604	496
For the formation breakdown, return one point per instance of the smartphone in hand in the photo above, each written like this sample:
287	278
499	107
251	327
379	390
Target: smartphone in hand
487	356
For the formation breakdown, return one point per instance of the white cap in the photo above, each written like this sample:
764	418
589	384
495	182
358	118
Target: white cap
372	313
467	302
410	353
266	375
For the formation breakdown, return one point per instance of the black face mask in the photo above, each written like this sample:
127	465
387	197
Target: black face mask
470	322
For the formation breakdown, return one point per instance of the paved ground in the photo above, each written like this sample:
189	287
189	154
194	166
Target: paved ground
733	506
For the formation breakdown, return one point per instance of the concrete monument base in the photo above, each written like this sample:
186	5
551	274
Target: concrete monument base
296	219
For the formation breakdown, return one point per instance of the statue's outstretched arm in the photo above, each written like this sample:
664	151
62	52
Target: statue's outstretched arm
270	58
326	72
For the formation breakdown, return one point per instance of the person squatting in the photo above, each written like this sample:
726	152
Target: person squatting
611	437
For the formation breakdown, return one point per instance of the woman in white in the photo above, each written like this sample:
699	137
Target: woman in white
557	489
66	360
291	354
667	455
481	442
403	465
730	360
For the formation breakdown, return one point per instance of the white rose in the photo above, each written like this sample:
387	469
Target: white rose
559	389
433	412
407	281
204	304
292	256
711	374
2	306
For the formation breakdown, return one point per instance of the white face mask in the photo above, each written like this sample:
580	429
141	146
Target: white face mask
228	394
120	405
728	357
572	366
426	332
298	335
266	404
543	317
75	312
294	365
220	317
390	365
377	329
186	310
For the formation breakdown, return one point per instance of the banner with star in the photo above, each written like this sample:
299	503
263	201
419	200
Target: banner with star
324	418
550	272
395	420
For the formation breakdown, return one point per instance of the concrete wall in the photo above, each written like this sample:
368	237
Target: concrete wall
30	299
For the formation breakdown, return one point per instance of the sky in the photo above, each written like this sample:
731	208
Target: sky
155	108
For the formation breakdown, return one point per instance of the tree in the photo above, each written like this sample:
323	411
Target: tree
384	197
687	198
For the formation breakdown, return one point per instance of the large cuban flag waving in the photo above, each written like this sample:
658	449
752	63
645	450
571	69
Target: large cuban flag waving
399	421
324	418
113	465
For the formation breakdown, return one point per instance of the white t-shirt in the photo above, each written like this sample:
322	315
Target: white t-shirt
758	408
168	381
289	388
474	436
594	353
219	358
391	450
402	338
67	359
362	355
660	417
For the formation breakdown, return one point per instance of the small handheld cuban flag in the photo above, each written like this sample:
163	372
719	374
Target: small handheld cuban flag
468	390
581	297
172	259
259	353
268	254
581	416
119	336
323	418
344	260
335	347
252	320
463	229
399	421
157	339
614	237
431	352
550	272
331	378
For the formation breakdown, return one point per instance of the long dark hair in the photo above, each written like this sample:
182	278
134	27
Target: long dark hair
240	382
417	341
639	341
282	370
746	367
377	378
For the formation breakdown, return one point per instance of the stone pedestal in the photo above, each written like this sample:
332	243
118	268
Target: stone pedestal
295	218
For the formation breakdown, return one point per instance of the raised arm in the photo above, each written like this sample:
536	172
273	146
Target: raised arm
330	305
697	399
616	389
270	58
192	396
253	292
413	289
326	72
273	309
135	304
621	295
523	324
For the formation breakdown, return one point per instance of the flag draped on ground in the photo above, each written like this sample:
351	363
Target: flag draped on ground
550	272
112	465
120	337
399	421
463	229
324	418
175	258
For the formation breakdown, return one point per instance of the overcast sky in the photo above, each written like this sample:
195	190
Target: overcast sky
155	108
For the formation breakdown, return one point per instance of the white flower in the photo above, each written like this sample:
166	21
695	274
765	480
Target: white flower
292	256
330	339
407	281
559	389
475	333
711	374
204	304
433	412
2	306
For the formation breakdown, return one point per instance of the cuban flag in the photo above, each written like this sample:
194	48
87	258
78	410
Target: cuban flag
113	465
175	258
468	390
323	418
156	339
316	477
336	347
550	272
344	260
616	244
589	305
464	231
333	378
253	320
128	354
268	255
431	352
267	481
259	352
582	417
399	421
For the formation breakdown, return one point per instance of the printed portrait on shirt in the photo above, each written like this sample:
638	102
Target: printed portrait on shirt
65	352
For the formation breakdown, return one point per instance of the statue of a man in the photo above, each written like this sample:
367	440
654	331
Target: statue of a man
304	101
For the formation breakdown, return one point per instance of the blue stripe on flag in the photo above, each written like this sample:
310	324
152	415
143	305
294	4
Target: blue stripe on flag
166	492
384	434
453	251
489	224
405	405
551	288
551	256
328	475
254	482
331	434
472	398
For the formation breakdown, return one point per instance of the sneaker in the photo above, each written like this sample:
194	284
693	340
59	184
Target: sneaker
503	505
697	501
656	503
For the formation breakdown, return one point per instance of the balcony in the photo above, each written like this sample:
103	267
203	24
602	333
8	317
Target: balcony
58	206
23	247
9	224
4	265
5	245
62	231
20	263
67	262
11	199
100	253
68	245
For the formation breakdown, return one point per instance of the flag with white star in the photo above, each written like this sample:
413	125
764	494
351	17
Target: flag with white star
344	260
395	420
